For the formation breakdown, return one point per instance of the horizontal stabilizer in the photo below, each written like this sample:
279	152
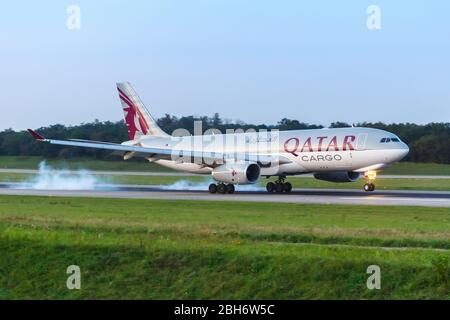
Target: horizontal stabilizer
36	135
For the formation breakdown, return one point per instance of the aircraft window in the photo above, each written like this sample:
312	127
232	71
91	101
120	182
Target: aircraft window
386	140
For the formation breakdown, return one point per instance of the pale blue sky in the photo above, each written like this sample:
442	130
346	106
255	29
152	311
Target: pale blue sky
257	61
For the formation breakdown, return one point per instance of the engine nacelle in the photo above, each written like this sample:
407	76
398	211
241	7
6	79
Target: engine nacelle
237	173
338	176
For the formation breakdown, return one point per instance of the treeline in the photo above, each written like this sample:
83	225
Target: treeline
428	143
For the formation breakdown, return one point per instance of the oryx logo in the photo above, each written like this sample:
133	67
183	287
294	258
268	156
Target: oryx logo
233	173
134	119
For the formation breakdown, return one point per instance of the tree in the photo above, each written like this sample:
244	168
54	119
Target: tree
428	143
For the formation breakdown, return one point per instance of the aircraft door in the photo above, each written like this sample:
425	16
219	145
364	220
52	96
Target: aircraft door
361	141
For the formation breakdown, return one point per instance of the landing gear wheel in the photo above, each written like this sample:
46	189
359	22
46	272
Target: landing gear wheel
221	188
270	187
287	187
279	187
212	188
368	187
230	188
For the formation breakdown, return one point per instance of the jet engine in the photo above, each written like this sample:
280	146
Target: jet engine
338	176
237	173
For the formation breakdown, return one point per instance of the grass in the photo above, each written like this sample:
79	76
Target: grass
32	162
297	182
154	249
382	183
411	168
306	182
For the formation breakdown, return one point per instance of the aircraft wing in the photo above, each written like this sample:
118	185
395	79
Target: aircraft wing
210	158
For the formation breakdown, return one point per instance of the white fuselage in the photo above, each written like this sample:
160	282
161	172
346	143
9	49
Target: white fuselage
302	151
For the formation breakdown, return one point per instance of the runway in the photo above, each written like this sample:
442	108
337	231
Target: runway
313	196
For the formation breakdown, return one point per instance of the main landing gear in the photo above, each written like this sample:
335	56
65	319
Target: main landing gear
369	176
221	188
279	186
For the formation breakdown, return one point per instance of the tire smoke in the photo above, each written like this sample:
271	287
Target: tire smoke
187	185
49	178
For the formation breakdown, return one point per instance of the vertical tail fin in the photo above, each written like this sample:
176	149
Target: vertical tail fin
137	118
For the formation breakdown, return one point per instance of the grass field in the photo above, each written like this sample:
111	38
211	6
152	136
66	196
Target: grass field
408	168
297	182
306	182
7	162
382	183
150	249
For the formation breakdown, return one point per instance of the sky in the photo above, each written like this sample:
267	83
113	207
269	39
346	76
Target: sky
255	61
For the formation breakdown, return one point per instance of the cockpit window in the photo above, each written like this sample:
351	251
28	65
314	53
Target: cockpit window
386	140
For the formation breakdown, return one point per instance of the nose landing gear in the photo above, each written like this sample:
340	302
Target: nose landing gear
370	176
368	187
279	186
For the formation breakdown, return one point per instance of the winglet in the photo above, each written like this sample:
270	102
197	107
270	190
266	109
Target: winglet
36	135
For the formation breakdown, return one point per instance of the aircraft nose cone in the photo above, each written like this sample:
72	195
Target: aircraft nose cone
406	148
404	151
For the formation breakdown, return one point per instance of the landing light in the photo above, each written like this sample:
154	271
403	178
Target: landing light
371	175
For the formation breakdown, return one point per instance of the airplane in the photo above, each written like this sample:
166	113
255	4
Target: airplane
332	154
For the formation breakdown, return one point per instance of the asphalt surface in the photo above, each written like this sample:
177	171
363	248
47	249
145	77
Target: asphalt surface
317	196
